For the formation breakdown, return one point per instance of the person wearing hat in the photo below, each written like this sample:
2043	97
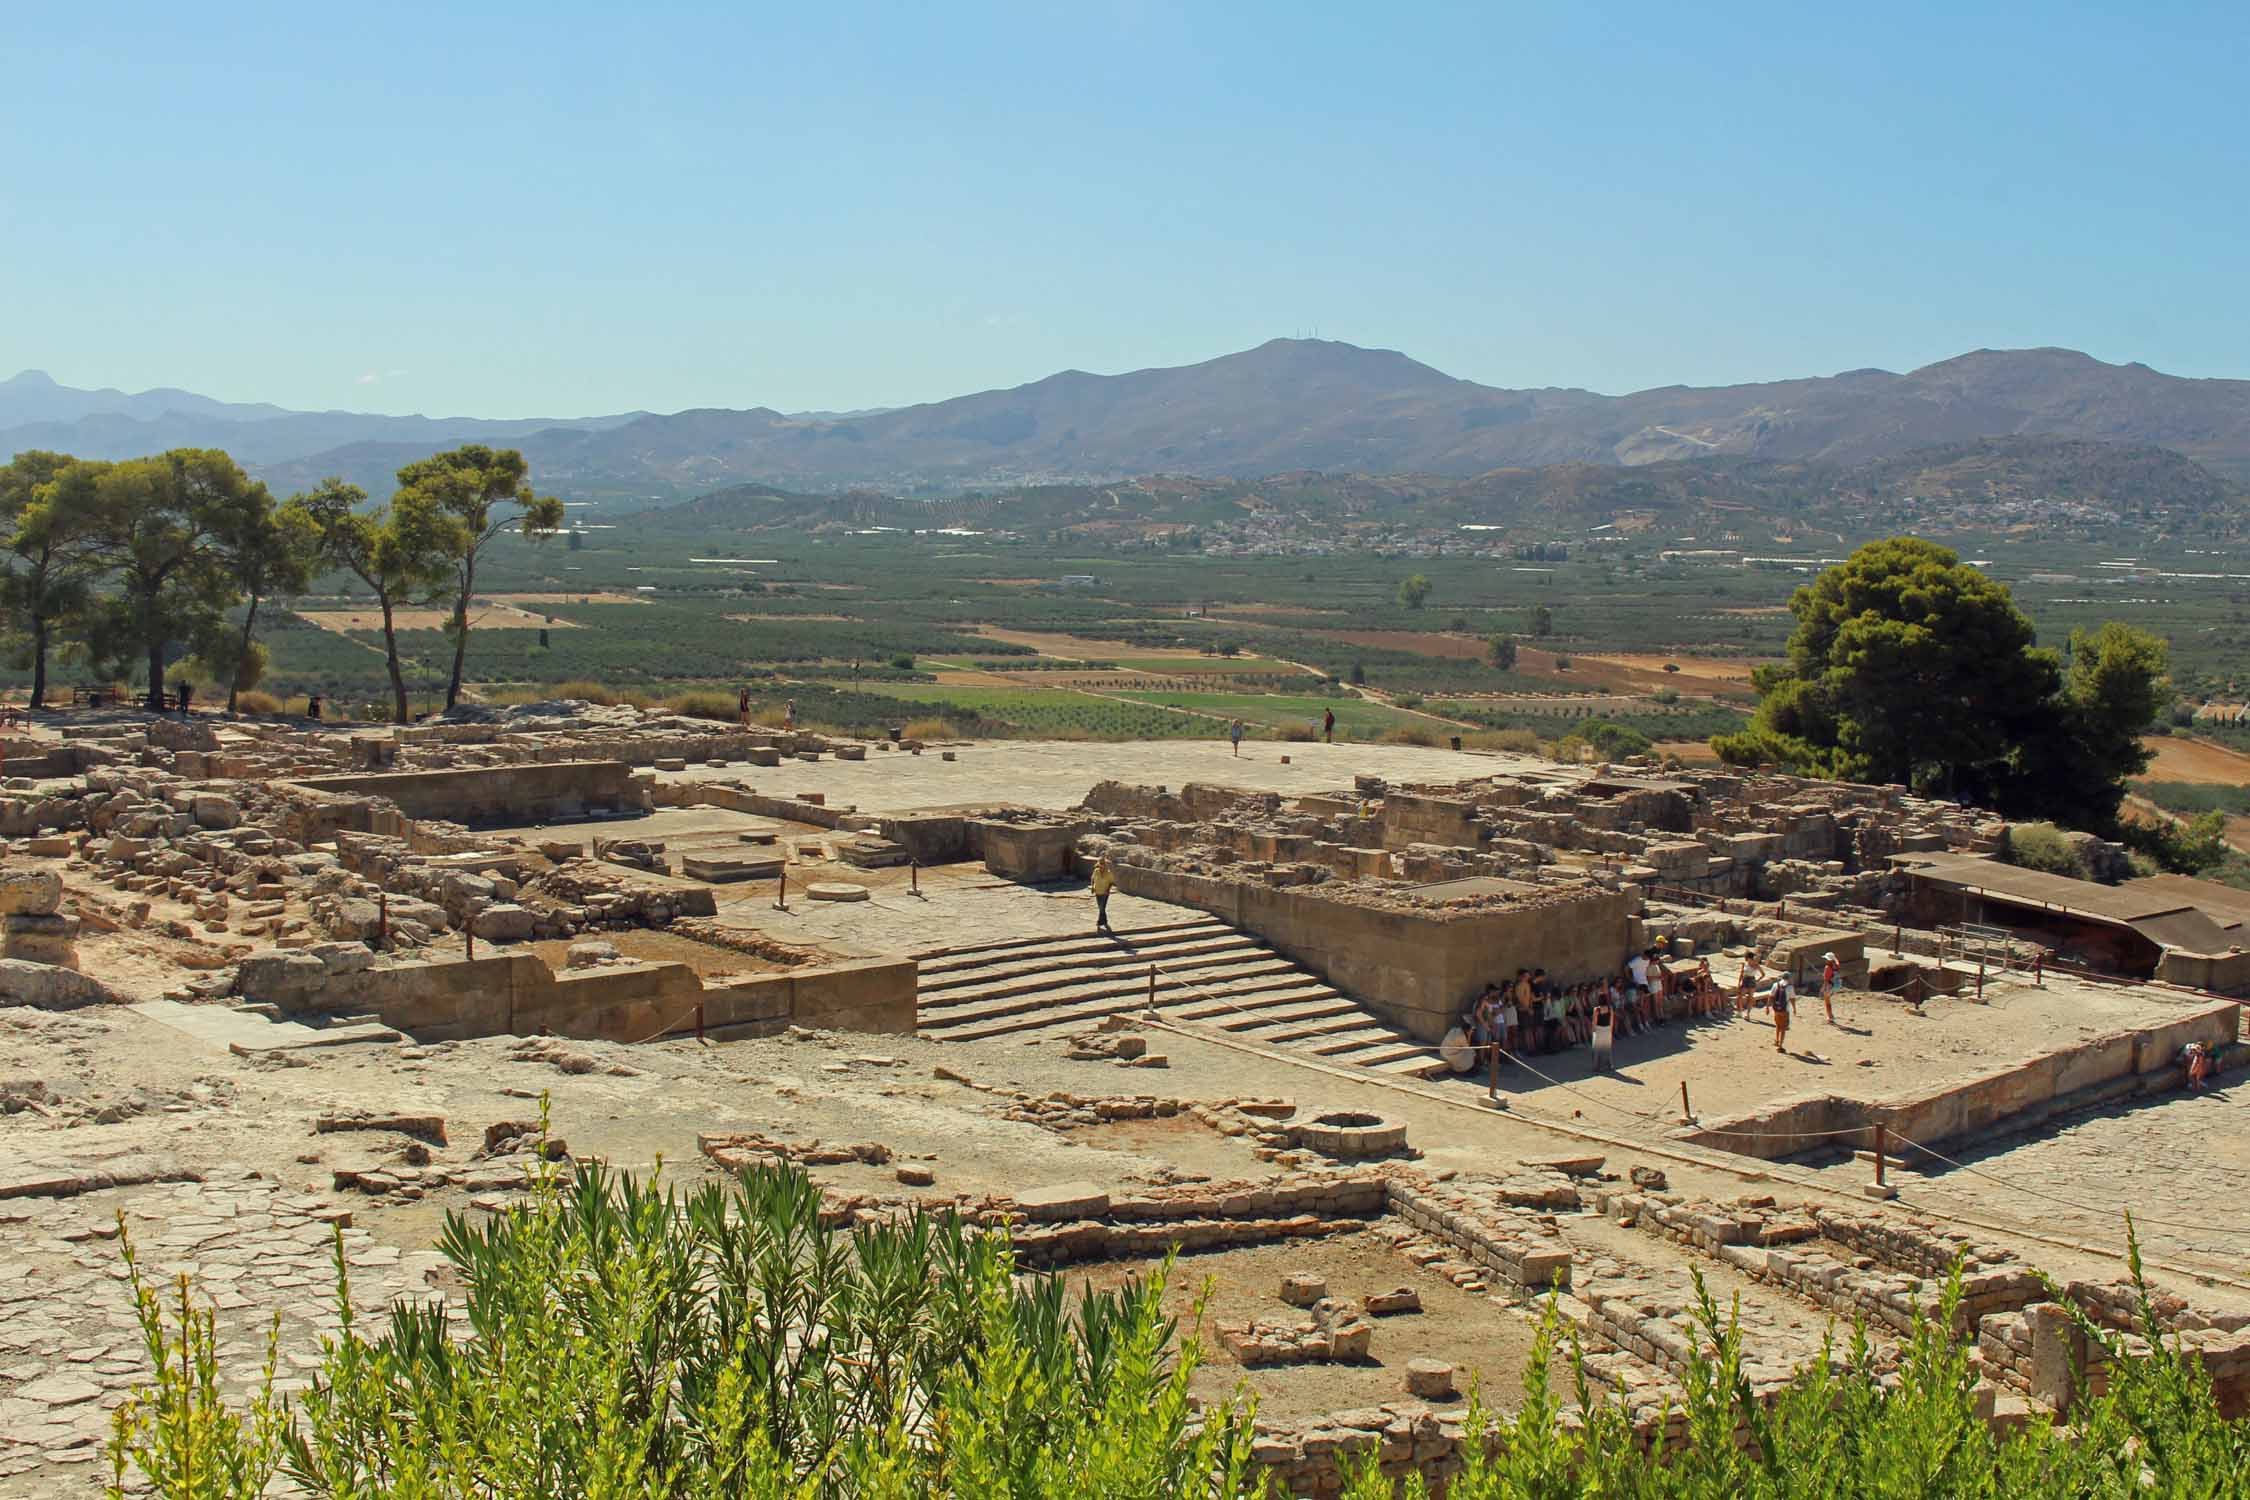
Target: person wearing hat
1831	980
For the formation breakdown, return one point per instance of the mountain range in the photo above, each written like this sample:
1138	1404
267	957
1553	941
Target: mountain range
1287	405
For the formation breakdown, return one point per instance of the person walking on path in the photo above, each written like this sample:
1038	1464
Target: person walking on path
789	716
1234	733
1831	980
742	706
1605	1027
1779	999
1105	881
1328	725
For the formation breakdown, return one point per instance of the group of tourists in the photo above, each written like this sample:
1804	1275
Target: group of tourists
1533	1015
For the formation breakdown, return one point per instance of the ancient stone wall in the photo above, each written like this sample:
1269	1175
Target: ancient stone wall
532	793
2137	1060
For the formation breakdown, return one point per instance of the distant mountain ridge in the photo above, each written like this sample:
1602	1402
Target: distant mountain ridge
2058	486
1287	405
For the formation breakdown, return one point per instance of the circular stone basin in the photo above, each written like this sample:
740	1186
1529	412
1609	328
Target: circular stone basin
1350	1134
836	890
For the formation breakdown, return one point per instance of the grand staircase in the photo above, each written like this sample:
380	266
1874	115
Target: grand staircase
1207	974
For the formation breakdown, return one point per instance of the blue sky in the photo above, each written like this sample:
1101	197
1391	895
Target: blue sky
562	209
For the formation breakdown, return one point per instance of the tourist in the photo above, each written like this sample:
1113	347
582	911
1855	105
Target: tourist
789	716
1831	980
742	706
312	707
1636	968
1104	881
187	693
1778	998
1705	993
1328	726
2198	1059
1527	1011
1604	1022
1506	1024
1234	733
1551	1009
1753	978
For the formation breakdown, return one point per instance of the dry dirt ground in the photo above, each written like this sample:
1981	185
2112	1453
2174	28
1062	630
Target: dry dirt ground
159	1083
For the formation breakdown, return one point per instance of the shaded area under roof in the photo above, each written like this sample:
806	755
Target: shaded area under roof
2154	908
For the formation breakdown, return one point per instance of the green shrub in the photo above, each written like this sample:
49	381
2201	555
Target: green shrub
931	729
2042	846
1410	734
724	707
251	701
633	1341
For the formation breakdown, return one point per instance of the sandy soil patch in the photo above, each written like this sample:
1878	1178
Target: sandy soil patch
2179	758
481	617
1697	668
597	597
1479	1336
1436	643
1057	643
784	617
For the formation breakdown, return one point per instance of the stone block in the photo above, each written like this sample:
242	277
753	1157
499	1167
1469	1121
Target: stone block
48	986
289	980
1431	1379
1062	1200
505	923
30	892
1303	1289
722	869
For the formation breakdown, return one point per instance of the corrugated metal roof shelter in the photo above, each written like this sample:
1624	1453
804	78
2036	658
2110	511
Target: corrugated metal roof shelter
2155	908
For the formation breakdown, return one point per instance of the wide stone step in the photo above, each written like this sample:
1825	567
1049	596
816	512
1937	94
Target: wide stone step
1043	966
1189	972
1257	1028
1127	985
1089	945
1314	1002
967	950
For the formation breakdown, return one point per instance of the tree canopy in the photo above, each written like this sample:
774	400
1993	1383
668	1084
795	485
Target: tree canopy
482	491
1414	591
1909	666
160	529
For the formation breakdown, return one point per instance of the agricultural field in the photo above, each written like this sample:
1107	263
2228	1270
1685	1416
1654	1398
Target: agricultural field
1167	640
1049	712
1356	718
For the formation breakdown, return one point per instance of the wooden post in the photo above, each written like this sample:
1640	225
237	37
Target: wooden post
1686	1114
1152	986
1492	1078
781	892
914	875
1898	940
699	1021
1878	1156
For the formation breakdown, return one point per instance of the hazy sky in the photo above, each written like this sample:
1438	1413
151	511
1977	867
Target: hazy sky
559	209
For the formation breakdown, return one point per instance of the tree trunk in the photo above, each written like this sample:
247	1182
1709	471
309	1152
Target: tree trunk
241	656
156	676
461	629
38	661
390	659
